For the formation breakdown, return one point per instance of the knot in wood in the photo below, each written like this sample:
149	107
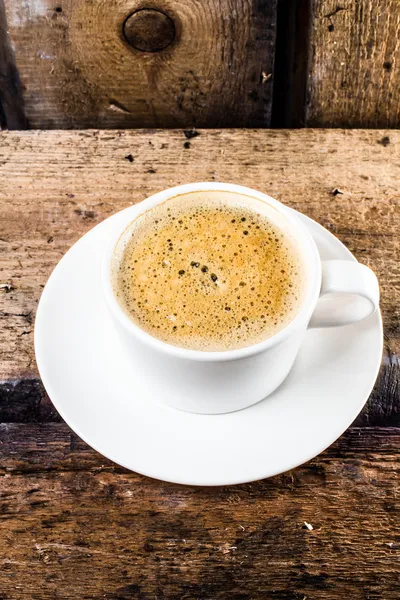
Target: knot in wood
149	30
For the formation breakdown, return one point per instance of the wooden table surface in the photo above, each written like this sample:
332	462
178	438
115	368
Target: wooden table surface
75	525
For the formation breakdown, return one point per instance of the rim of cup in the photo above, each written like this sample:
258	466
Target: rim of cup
311	259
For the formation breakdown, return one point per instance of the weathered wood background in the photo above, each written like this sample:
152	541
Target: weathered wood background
76	68
74	525
354	69
208	63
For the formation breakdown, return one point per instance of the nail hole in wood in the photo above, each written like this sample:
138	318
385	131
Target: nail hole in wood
149	30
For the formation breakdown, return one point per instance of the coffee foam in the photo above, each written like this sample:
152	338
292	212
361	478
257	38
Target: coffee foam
209	271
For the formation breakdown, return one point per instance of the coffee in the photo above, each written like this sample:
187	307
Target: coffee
209	271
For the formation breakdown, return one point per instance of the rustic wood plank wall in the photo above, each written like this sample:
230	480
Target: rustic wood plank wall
214	63
205	63
354	68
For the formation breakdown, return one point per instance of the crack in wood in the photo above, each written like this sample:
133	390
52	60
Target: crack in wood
337	10
118	107
12	114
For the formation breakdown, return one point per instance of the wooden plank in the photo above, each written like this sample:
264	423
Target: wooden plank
52	447
67	512
78	70
11	100
24	400
54	186
354	74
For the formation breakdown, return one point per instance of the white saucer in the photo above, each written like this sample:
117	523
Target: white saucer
107	402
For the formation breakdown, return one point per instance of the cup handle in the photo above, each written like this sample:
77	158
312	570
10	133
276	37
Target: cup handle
349	293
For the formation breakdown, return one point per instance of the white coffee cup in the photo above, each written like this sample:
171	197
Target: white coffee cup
220	382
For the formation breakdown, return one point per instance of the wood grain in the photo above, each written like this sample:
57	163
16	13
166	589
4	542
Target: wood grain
54	186
24	400
354	72
12	113
51	447
73	524
78	70
165	541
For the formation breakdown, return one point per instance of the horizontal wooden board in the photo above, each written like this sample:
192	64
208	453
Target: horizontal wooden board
76	68
29	448
354	72
24	400
54	186
73	525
